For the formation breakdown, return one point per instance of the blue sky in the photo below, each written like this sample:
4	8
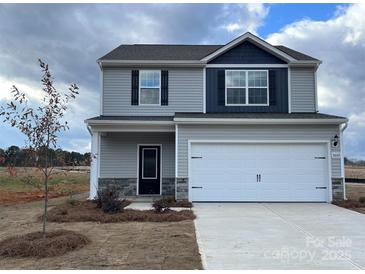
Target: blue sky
70	37
281	15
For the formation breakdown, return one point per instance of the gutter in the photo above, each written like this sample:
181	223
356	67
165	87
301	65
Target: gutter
126	122
257	121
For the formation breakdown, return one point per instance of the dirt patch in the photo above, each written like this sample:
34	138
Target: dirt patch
33	245
10	197
87	211
128	245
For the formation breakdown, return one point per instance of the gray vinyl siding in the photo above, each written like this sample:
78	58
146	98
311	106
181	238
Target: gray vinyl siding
185	93
252	132
118	153
303	90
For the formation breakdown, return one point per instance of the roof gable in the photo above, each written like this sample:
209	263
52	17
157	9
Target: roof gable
253	39
246	53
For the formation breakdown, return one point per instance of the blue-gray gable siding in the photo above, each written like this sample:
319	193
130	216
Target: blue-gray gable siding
278	92
246	53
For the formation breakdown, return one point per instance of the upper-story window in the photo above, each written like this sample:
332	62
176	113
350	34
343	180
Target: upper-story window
247	87
149	87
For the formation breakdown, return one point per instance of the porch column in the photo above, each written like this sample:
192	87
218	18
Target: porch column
94	166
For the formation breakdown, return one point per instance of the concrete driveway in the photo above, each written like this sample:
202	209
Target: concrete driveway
279	236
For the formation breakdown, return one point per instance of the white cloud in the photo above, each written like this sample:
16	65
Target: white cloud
70	37
31	88
247	17
340	43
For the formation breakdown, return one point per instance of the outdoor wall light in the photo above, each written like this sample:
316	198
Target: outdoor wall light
335	141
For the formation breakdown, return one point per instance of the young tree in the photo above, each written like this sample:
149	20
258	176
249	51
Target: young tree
41	125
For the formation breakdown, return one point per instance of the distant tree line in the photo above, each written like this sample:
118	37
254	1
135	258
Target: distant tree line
352	162
15	156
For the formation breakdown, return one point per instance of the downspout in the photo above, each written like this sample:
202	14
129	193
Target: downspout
343	126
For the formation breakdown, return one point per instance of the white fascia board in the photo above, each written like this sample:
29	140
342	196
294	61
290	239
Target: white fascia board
254	39
257	121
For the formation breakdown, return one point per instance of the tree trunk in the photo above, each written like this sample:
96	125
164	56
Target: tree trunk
45	191
45	204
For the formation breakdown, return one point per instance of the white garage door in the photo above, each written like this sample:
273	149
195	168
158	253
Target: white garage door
259	172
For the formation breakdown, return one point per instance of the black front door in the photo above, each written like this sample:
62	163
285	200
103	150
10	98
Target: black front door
149	170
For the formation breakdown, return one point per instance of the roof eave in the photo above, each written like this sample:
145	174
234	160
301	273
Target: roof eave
258	121
197	63
305	63
92	122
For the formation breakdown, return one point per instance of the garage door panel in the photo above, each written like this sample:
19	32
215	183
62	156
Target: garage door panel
289	172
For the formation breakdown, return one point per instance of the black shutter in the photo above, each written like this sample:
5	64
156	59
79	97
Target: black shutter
221	85
135	87
164	87
272	87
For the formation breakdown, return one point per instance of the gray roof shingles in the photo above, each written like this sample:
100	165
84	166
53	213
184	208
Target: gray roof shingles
152	52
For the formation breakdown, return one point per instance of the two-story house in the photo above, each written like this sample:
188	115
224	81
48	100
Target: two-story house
234	122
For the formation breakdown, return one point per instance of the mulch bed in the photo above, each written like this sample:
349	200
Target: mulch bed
186	204
351	204
87	211
33	245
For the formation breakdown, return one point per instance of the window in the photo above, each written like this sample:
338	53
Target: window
247	87
149	87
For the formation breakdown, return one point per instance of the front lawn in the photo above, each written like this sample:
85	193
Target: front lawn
121	245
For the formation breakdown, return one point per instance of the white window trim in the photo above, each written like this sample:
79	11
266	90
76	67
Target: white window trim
156	171
140	87
247	87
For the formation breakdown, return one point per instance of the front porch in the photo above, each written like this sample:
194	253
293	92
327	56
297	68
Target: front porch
135	157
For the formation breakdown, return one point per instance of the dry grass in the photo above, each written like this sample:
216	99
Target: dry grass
23	185
87	211
125	245
355	172
32	244
353	193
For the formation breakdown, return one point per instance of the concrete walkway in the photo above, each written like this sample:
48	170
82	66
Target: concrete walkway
280	236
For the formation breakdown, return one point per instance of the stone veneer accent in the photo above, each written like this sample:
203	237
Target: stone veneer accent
168	187
182	189
128	186
337	189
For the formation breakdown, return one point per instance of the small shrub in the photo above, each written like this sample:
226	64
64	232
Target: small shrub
362	199
108	200
161	205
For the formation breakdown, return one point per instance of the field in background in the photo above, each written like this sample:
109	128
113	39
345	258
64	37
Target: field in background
355	172
15	187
